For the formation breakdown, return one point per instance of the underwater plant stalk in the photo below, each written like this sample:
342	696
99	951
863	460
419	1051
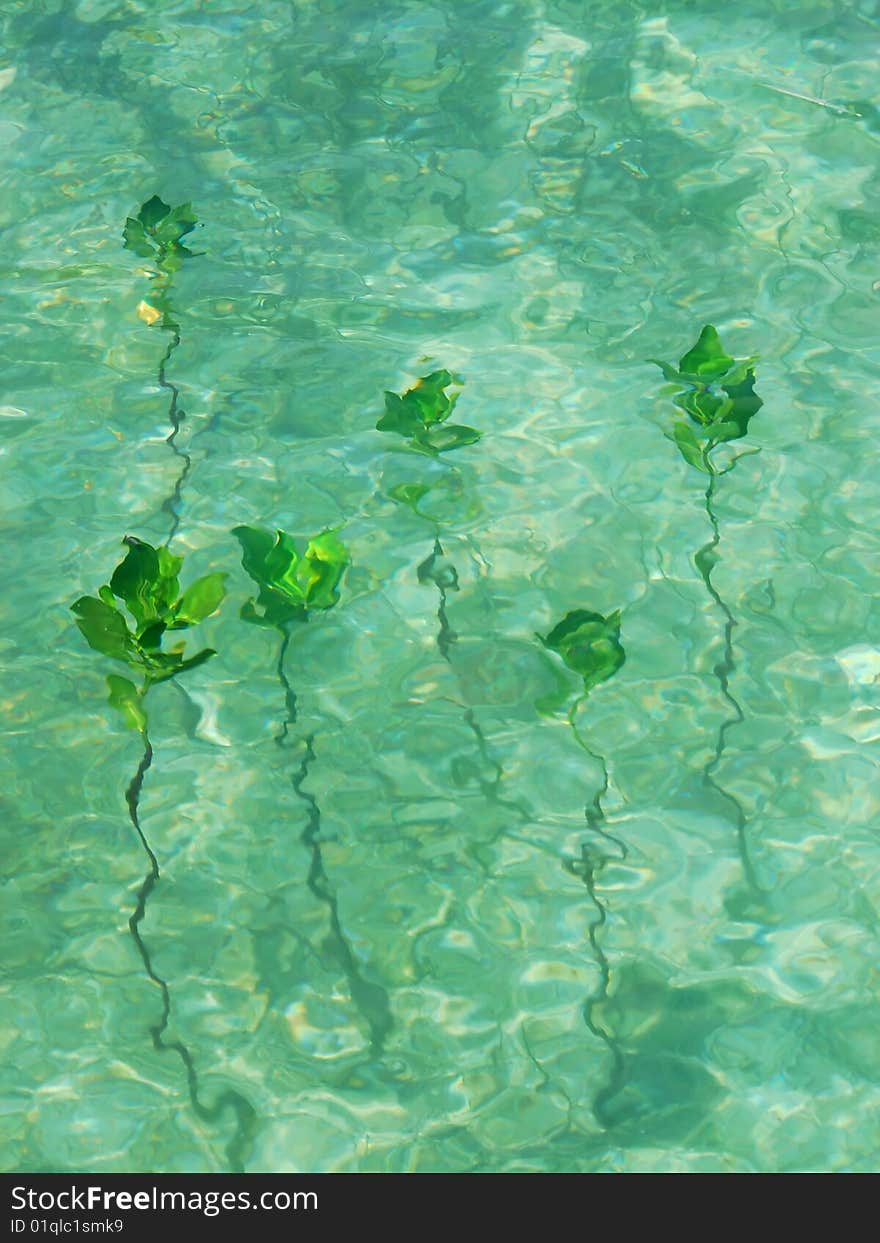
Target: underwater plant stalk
370	999
588	869
445	580
705	561
239	1145
171	504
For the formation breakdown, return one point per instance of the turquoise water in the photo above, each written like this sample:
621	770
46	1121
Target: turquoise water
411	929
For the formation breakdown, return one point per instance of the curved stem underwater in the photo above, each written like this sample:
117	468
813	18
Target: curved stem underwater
239	1145
588	869
171	504
705	560
371	1000
445	580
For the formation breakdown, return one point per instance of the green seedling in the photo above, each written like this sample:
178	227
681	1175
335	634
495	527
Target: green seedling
718	397
589	644
291	584
156	233
420	415
146	583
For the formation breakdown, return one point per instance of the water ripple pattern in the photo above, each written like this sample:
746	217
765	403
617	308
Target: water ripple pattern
539	196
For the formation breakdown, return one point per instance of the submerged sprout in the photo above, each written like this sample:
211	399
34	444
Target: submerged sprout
146	583
420	415
719	399
156	233
589	645
290	583
718	396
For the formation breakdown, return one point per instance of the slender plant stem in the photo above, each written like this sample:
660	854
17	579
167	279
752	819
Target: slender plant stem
370	999
589	868
240	1143
446	636
705	560
176	415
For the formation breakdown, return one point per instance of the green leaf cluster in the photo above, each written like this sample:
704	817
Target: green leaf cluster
589	645
290	583
718	396
156	232
420	415
146	583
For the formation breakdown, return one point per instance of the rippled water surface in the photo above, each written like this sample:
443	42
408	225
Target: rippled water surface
412	929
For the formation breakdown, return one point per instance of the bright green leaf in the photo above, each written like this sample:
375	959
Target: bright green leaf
134	578
589	644
720	432
326	559
256	544
706	360
180	221
745	402
134	238
125	696
400	416
200	600
152	212
449	436
146	580
430	396
290	584
104	628
150	637
282	568
418	414
689	446
702	405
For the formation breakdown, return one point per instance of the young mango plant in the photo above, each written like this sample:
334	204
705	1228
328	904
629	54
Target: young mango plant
128	621
292	586
291	583
156	233
720	401
420	415
146	583
718	397
589	645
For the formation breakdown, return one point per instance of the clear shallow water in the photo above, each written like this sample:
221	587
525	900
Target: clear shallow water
539	197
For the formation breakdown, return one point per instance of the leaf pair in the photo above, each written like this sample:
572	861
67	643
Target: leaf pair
589	645
720	397
420	415
290	583
146	583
